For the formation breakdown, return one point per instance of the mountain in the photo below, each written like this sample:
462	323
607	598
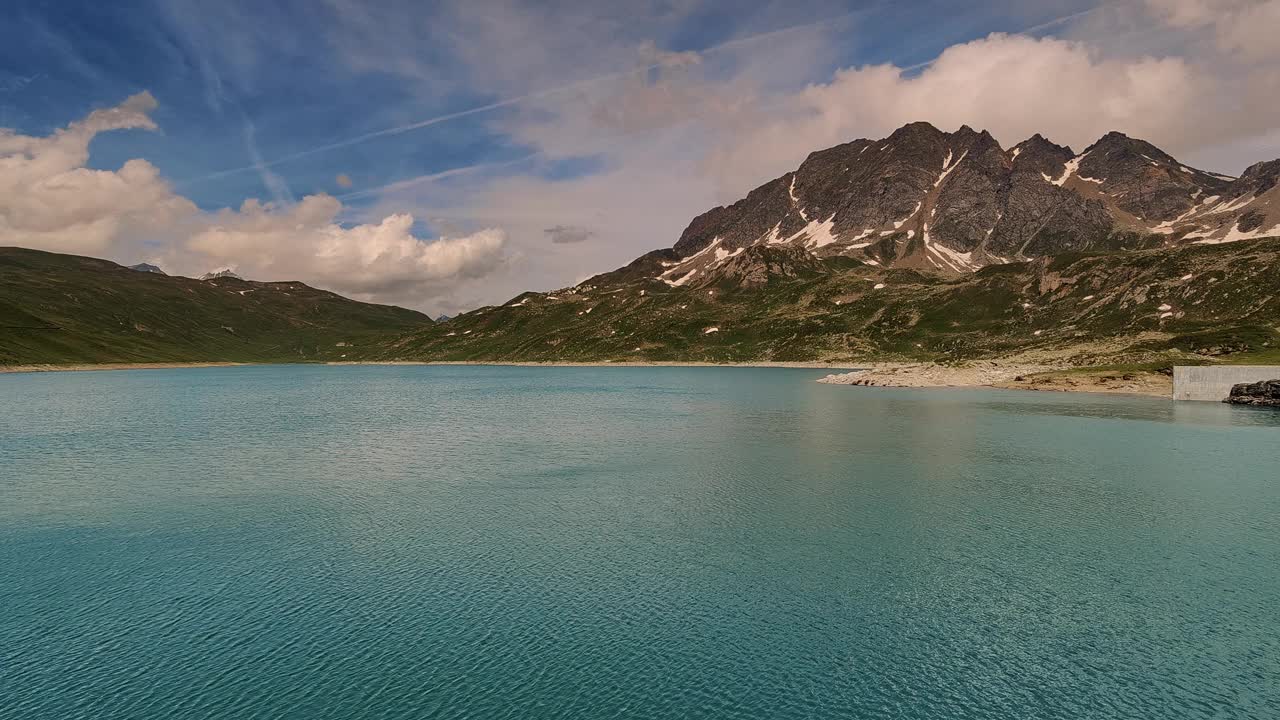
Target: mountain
1187	304
956	202
443	318
69	309
220	274
933	246
925	245
147	267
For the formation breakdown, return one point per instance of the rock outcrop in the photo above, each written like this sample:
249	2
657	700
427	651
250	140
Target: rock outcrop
1260	394
220	274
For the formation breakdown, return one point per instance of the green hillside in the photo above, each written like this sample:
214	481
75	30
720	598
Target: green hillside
69	309
1212	302
1202	303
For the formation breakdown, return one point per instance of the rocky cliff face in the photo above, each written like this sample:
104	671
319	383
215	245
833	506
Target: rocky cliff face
1260	394
956	202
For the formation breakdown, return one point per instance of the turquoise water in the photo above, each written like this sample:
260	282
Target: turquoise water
465	542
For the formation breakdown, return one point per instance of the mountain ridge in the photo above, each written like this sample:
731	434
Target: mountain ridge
924	245
57	308
956	202
1190	304
929	246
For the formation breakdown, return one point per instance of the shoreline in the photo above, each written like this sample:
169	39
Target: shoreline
91	367
978	374
103	367
798	365
1025	377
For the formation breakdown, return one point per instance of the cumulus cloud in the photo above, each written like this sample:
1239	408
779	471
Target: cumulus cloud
1011	85
372	260
666	134
1245	28
50	200
703	129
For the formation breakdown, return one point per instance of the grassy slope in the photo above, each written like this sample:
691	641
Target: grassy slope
70	309
1102	309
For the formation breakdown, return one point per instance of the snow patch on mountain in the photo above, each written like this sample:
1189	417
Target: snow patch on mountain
948	168
1071	167
819	233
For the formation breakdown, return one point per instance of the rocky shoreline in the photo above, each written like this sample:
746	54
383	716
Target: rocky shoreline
1013	376
934	375
992	374
1259	394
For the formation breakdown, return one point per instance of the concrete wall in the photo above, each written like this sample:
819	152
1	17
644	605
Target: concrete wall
1213	382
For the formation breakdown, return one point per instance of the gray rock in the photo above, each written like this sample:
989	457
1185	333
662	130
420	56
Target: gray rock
955	202
1260	394
220	274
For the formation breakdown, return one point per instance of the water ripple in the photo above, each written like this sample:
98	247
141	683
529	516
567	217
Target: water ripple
387	543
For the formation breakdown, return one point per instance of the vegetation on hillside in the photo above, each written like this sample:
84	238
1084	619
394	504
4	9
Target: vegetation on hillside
1204	303
1138	310
69	309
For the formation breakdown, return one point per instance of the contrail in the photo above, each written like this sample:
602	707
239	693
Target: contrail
549	92
507	102
1063	20
423	179
1033	29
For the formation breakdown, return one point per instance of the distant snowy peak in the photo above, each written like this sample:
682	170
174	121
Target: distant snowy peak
956	202
147	267
218	274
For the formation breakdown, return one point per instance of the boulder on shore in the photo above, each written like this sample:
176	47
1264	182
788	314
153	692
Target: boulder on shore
1263	394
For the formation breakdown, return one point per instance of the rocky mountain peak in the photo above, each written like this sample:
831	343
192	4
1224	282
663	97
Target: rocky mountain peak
219	274
967	136
1261	177
1116	147
954	202
1144	184
916	132
1037	146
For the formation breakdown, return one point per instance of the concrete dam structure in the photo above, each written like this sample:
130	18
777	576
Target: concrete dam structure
1213	383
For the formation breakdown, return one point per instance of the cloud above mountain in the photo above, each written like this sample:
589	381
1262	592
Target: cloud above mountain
50	200
678	137
1240	27
1012	85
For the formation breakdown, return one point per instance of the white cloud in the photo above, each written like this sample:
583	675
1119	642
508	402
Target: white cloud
1011	85
676	135
702	130
1245	28
372	260
50	200
634	205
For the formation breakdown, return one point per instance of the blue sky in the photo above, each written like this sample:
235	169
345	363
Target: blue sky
592	100
282	67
